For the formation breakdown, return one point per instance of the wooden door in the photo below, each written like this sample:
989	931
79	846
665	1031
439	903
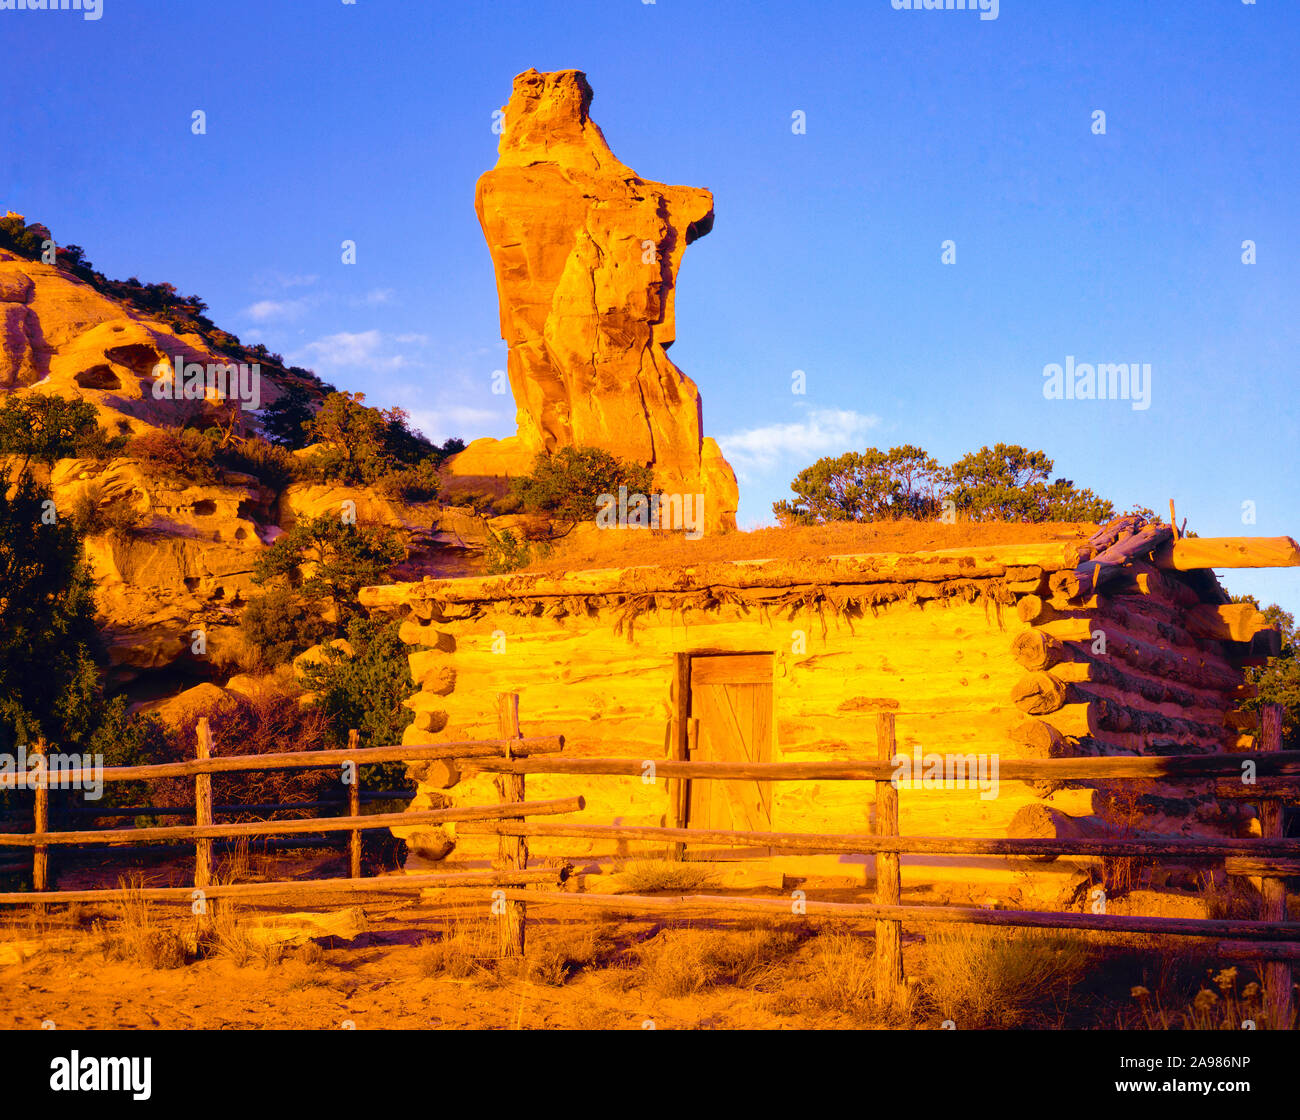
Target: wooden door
731	698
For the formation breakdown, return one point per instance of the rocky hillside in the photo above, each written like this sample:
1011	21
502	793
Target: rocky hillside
173	553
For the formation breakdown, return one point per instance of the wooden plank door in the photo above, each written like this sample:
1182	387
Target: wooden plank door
731	698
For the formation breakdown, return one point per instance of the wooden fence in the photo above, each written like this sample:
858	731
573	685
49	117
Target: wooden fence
1270	939
204	831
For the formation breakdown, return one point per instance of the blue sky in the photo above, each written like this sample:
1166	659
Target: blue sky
371	121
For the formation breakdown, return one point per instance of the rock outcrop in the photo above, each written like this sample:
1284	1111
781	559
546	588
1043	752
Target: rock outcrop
60	336
586	255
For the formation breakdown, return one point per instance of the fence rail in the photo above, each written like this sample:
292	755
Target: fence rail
40	778
1270	938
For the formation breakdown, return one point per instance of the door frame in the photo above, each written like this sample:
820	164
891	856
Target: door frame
681	733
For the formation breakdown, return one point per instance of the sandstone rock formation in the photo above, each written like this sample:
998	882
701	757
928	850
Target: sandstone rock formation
59	335
586	255
186	569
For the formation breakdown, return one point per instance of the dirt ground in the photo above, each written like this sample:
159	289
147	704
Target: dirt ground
381	980
402	962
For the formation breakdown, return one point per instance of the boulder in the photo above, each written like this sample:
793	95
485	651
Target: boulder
174	711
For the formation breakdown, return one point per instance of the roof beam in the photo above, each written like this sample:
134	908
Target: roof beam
1188	553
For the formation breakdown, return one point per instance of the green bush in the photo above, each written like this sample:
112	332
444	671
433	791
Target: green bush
48	428
94	514
506	553
328	558
127	740
365	691
418	483
569	485
19	237
287	418
1006	482
48	637
361	446
277	626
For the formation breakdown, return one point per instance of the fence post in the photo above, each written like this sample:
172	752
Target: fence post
354	810
41	819
512	851
890	988
679	748
203	811
1277	974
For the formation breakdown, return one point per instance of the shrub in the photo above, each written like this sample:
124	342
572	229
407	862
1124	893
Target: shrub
1006	482
47	428
646	875
127	739
287	418
278	625
93	514
137	937
506	553
272	465
566	952
843	974
363	446
465	950
175	454
19	237
365	692
680	962
48	637
267	722
1234	1003
999	979
419	483
353	437
569	485
328	558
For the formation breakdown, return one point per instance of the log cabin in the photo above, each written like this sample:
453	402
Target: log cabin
1119	643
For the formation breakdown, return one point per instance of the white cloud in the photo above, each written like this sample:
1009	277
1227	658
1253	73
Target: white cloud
295	281
370	349
267	310
377	295
464	421
825	431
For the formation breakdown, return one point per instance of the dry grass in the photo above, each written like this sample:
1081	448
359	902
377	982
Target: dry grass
234	865
681	962
305	967
648	875
567	952
1227	897
136	935
230	936
843	974
466	950
982	978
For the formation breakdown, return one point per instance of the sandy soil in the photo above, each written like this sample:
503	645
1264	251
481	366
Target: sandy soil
380	981
431	963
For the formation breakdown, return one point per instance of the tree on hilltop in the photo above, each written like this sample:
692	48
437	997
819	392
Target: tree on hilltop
1006	482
